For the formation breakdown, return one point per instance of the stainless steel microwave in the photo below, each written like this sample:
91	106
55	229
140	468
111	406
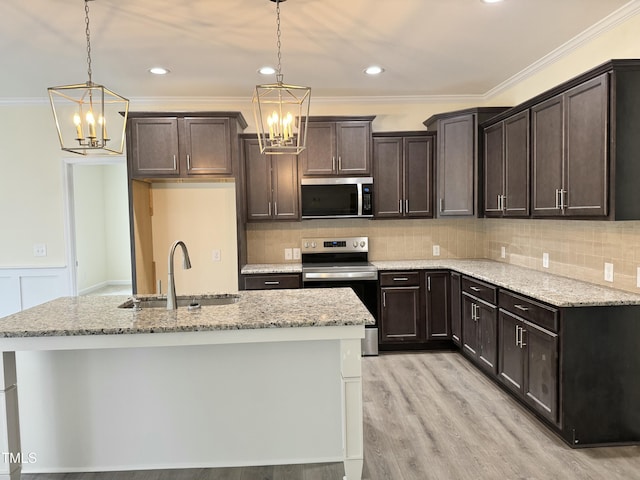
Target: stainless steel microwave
336	197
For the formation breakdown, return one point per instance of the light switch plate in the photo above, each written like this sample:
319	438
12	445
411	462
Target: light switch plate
296	254
503	252
436	250
608	272
288	255
545	260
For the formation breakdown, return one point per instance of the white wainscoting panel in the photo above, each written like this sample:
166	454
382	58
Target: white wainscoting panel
22	288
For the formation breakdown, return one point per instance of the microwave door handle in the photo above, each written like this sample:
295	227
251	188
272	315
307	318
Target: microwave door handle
359	185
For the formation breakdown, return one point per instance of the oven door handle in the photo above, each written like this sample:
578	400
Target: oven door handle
311	276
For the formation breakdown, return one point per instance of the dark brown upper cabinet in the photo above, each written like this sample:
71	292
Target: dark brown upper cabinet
403	174
271	184
569	138
506	167
183	145
337	146
457	188
584	144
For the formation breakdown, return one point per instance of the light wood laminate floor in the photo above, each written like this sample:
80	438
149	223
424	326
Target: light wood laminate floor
433	416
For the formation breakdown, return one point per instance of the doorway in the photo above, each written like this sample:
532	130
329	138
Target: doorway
98	244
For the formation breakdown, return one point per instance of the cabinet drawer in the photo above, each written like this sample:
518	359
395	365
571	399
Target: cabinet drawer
481	290
527	309
399	279
268	282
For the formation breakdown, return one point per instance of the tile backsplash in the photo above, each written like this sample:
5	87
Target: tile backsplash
577	249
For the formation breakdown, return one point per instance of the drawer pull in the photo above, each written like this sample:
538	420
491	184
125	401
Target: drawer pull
475	289
272	283
400	279
521	307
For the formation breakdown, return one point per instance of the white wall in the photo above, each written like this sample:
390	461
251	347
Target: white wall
116	218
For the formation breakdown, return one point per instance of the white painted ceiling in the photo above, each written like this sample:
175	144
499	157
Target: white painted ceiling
214	48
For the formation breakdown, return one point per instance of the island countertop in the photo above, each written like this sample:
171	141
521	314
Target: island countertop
258	309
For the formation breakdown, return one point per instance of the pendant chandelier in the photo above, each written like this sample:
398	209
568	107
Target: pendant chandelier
82	113
281	111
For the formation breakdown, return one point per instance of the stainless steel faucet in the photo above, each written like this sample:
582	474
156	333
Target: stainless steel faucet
186	264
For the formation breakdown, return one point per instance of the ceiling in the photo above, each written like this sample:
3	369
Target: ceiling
214	48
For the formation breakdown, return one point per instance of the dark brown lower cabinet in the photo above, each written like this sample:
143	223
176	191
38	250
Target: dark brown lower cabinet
480	328
456	308
437	310
529	363
414	309
272	281
400	315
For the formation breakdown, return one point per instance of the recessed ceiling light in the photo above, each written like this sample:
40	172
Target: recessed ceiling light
491	1
373	70
266	71
159	70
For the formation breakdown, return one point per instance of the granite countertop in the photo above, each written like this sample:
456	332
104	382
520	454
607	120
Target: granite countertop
258	268
100	315
552	289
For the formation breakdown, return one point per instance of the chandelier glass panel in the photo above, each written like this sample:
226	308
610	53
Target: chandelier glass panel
90	118
281	111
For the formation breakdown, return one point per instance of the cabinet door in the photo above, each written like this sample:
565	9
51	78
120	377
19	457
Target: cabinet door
511	355
547	156
516	165
319	156
488	337
353	148
586	175
456	165
456	309
153	147
285	187
438	318
418	180
541	370
493	170
258	181
387	176
207	146
400	314
469	327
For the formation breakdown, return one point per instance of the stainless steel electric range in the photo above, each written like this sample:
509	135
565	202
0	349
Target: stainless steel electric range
344	262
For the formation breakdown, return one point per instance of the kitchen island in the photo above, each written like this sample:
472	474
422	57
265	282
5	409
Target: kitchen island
273	378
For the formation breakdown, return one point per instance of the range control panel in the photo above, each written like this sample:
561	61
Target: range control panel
345	244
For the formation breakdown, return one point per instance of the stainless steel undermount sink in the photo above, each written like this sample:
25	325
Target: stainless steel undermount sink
192	302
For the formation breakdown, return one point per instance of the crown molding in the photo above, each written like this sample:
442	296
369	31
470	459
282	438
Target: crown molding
621	15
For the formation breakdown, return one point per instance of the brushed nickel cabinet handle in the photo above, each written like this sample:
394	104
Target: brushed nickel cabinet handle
521	307
384	299
400	206
406	206
475	289
522	331
188	162
400	279
429	283
271	283
517	335
175	165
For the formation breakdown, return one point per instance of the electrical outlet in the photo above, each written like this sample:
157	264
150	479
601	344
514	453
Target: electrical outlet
296	254
39	249
608	272
503	252
545	260
288	254
436	250
216	255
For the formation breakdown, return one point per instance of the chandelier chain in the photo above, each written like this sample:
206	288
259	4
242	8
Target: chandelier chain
88	35
279	44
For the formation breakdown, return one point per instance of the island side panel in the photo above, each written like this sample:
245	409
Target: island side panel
353	430
181	407
11	454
